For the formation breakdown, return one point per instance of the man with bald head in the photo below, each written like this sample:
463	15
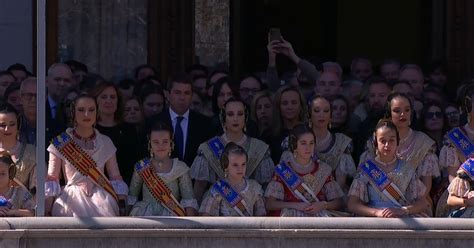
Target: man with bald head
328	85
413	74
59	80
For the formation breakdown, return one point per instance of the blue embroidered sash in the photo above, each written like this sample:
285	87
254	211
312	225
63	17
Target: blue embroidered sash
462	142
158	188
468	167
216	147
380	180
294	183
232	197
4	202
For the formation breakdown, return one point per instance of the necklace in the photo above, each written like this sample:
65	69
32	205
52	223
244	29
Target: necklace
385	164
159	163
301	168
86	143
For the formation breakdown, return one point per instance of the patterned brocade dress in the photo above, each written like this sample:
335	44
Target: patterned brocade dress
177	180
81	197
324	187
215	205
402	176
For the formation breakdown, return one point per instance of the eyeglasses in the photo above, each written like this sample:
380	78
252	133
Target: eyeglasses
432	115
28	96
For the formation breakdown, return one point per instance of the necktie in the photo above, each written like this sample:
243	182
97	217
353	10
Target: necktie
53	112
178	137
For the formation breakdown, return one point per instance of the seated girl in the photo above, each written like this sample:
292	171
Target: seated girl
386	186
302	186
14	200
234	195
461	191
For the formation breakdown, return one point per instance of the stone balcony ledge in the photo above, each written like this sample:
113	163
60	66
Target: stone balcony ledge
235	232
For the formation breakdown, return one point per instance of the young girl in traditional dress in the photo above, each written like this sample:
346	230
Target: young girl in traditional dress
161	174
84	153
206	168
234	195
386	186
302	186
15	200
417	148
461	191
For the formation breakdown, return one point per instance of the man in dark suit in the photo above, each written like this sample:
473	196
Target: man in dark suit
190	128
59	81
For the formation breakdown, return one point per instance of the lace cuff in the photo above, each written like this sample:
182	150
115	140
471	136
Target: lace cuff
52	188
189	203
120	187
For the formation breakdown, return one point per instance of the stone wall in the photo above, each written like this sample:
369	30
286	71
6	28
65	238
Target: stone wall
212	31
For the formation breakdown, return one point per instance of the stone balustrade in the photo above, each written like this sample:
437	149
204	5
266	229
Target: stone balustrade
207	232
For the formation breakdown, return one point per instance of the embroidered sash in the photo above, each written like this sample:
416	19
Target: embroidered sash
4	202
232	197
213	151
468	167
158	187
82	161
294	183
462	142
380	181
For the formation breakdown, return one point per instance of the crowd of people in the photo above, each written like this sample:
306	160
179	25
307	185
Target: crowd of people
379	141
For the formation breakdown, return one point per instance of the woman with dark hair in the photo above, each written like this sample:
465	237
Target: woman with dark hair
23	154
152	99
164	181
386	186
340	115
65	107
110	123
221	92
434	123
247	196
301	185
332	148
206	166
84	156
